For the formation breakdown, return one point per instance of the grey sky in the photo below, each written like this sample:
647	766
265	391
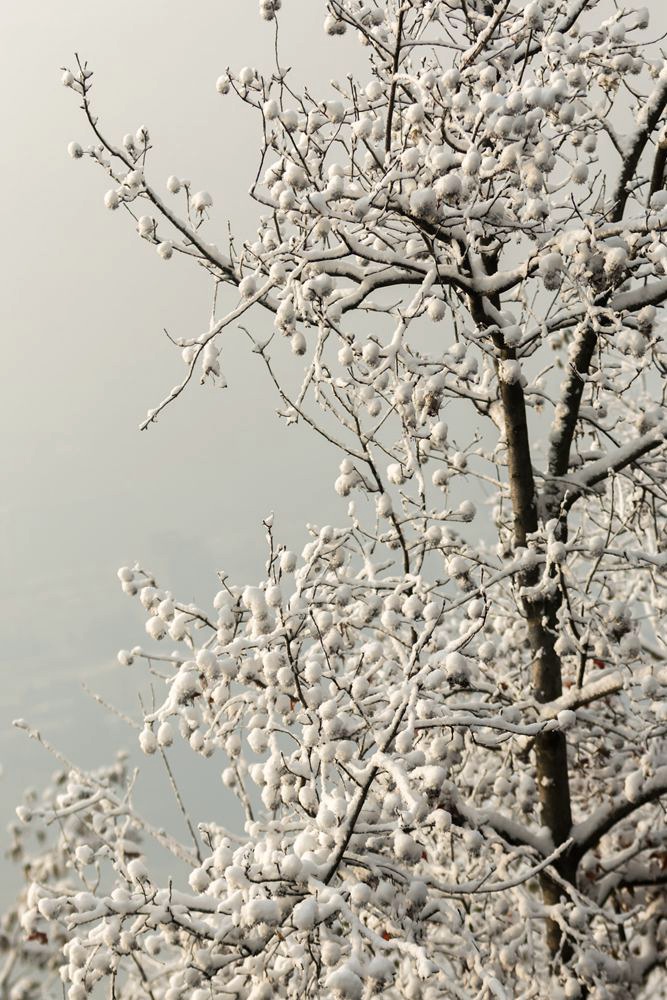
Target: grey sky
83	305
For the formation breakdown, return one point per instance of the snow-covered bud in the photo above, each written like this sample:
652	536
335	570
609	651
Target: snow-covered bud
436	309
267	9
615	262
289	119
566	720
411	159
457	566
85	854
646	318
111	200
156	628
173	184
550	265
145	225
137	870
371	353
467	510
486	651
346	355
395	474
556	552
423	203
165	735
579	173
439	433
165	250
298	343
451	79
471	162
533	17
406	847
288	562
75	150
199	879
285	314
134	179
415	113
201	201
536	210
658	201
247	287
335	111
271	109
246	76
147	741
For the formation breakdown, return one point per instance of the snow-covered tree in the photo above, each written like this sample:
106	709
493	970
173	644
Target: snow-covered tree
445	719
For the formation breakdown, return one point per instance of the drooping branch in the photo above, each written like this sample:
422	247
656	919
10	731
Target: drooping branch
576	485
588	833
579	697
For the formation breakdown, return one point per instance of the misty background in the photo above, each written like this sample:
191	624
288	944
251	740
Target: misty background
83	308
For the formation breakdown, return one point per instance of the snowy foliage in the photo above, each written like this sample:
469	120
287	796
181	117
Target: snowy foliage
445	719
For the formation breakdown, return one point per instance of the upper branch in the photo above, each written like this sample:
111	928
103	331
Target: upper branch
653	111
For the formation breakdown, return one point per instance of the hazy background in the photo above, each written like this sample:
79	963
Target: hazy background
83	305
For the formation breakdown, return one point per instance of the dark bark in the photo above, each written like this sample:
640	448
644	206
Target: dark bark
658	171
541	617
634	154
559	453
522	484
392	89
551	764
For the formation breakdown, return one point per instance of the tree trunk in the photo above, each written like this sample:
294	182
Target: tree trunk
542	621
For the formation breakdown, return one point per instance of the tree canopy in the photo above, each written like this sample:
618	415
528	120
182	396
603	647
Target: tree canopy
445	718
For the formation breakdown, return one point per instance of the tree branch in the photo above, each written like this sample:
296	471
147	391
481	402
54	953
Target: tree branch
653	110
588	834
596	472
392	90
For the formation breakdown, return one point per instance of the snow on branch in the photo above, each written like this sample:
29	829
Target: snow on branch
638	793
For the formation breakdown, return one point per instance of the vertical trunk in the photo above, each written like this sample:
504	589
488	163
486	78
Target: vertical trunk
541	618
541	614
551	760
